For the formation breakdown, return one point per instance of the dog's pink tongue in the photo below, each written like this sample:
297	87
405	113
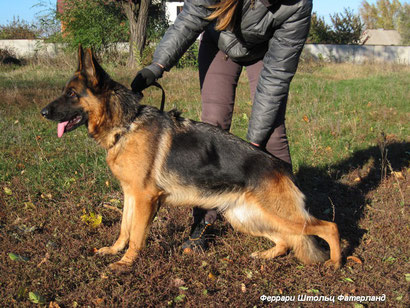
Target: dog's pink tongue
60	128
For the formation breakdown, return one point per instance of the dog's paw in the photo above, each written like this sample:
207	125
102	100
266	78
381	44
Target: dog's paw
106	251
256	255
120	267
336	264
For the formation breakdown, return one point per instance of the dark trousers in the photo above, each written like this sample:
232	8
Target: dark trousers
218	76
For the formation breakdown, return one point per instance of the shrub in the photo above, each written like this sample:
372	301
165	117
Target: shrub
17	29
95	23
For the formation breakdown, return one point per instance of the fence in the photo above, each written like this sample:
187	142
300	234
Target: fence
358	53
331	53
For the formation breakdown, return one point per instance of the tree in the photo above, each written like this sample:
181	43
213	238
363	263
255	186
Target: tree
100	23
403	24
319	31
93	23
137	15
384	14
347	28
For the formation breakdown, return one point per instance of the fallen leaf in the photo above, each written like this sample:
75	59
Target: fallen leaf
91	219
357	179
46	196
36	298
16	257
306	119
20	166
179	298
178	282
98	301
354	259
53	305
227	260
314	291
211	276
398	175
7	191
348	279
243	288
407	277
45	259
390	260
29	205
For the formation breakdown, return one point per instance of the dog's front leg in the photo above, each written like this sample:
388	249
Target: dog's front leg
144	207
127	216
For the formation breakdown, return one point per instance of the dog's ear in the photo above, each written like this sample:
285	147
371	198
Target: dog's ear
80	58
89	66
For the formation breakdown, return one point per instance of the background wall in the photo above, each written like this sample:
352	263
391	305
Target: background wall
331	53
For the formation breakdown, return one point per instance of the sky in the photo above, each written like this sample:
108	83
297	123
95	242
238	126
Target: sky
27	9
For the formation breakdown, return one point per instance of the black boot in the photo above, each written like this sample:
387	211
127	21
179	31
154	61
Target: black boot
198	238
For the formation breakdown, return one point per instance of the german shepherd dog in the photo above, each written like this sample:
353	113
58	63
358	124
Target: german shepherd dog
160	157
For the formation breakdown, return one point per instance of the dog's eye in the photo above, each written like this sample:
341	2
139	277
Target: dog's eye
71	93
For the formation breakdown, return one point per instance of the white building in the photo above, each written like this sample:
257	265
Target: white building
172	9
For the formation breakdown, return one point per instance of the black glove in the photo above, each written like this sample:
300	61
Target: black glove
146	77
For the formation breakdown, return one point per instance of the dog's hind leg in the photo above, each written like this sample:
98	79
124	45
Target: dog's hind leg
330	233
298	234
280	249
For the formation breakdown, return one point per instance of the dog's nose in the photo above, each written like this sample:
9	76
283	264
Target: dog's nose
45	112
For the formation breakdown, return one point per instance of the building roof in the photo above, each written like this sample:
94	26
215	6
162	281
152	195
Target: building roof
381	37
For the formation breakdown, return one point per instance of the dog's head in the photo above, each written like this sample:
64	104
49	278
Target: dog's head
80	95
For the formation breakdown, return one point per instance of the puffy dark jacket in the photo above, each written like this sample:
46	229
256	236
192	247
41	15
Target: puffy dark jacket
274	31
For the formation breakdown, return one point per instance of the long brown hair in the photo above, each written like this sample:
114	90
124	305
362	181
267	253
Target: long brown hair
224	13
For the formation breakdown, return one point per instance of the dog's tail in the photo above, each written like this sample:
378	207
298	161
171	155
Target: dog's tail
306	249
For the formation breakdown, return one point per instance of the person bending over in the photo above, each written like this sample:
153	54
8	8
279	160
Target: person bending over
264	36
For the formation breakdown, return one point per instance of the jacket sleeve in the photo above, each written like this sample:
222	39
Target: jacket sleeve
279	66
182	34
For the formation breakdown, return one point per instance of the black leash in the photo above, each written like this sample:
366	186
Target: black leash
163	95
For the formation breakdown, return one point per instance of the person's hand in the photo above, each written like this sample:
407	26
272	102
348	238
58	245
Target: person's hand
146	77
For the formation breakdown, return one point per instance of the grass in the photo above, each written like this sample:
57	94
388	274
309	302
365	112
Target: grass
341	118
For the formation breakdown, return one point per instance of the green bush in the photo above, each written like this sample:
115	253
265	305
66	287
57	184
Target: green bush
17	29
94	23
